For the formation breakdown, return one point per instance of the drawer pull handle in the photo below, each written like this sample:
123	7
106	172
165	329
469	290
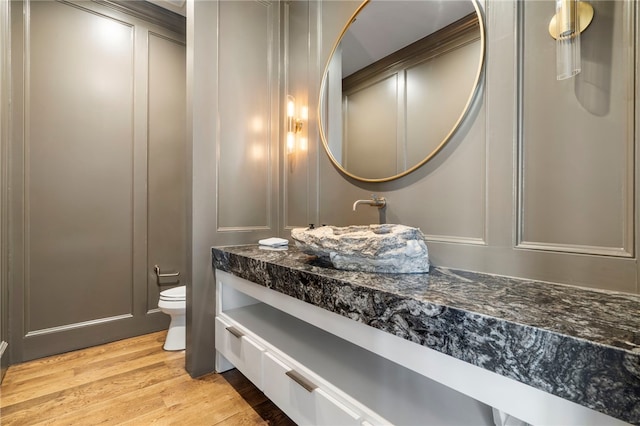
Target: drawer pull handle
301	380
235	332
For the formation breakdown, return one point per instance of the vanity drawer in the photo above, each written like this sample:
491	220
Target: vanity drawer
240	350
301	399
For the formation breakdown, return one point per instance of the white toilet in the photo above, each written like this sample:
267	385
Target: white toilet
173	302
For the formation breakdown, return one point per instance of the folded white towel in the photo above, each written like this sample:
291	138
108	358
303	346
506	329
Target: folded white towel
273	242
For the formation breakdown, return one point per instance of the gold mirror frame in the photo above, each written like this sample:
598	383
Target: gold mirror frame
446	139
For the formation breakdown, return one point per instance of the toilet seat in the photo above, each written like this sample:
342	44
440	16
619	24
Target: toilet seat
174	294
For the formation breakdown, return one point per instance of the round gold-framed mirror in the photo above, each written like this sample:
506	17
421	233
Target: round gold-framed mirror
400	79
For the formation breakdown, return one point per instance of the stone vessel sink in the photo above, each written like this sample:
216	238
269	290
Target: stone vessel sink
383	248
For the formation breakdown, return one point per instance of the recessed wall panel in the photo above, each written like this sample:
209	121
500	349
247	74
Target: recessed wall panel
576	147
167	179
4	183
370	124
437	91
245	120
78	177
296	184
449	200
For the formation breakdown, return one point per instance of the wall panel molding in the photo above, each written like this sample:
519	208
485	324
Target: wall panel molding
295	180
577	249
32	153
164	37
456	240
166	164
5	123
248	116
54	330
575	174
148	12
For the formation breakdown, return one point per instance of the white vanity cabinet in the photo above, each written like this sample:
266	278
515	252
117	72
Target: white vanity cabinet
319	378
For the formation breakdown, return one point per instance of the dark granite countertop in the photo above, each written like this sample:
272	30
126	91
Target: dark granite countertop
580	344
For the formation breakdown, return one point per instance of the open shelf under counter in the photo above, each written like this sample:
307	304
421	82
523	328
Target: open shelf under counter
396	393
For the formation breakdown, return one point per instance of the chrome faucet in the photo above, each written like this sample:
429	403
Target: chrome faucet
375	201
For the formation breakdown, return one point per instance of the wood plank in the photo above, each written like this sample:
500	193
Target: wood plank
61	362
129	382
109	368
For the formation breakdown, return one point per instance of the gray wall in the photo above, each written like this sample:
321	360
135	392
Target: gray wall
233	113
538	182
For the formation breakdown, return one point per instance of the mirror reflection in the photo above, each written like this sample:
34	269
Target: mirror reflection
398	83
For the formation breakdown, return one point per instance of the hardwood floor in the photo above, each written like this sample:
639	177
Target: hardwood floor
130	382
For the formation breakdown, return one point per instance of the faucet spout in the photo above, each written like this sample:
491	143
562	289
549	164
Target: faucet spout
375	201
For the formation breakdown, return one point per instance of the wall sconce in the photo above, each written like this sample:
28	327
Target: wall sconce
295	141
571	18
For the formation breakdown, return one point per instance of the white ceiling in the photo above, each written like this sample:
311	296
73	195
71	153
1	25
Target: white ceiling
384	26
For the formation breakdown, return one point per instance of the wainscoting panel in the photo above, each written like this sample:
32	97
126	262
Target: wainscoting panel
576	144
167	164
296	196
78	166
5	105
247	72
366	149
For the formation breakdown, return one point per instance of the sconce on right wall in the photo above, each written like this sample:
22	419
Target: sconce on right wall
571	18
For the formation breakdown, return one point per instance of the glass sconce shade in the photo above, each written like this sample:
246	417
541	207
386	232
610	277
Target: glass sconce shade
293	127
568	41
571	18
